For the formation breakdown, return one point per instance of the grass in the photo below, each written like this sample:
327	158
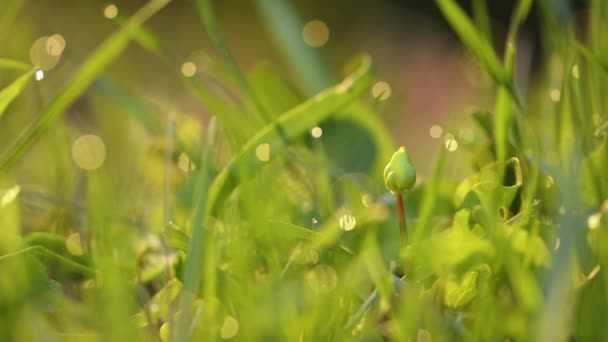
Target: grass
248	228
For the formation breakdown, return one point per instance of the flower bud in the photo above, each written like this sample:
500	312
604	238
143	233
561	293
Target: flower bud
399	174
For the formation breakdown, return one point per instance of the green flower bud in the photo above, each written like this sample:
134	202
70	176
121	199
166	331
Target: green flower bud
399	174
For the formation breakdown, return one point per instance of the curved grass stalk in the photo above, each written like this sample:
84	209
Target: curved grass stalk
295	123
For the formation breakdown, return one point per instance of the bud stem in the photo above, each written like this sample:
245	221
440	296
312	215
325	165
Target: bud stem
402	223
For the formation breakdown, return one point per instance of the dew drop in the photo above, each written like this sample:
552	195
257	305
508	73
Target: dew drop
381	91
555	95
263	152
73	244
316	132
348	222
185	164
450	142
39	75
549	183
230	327
188	69
10	195
575	71
593	221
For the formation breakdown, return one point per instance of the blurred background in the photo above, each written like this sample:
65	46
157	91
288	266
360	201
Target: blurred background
429	79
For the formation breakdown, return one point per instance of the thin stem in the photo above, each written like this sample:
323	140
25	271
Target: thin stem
402	223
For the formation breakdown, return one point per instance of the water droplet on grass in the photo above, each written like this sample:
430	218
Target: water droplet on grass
594	221
230	328
263	152
39	75
381	91
555	95
188	69
73	244
348	222
316	132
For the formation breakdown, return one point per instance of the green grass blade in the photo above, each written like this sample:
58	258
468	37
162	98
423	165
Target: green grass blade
296	122
13	64
95	65
205	10
473	40
201	249
8	94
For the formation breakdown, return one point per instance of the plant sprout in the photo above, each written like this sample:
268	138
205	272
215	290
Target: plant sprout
400	176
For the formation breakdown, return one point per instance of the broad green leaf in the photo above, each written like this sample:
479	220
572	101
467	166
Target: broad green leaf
485	187
293	123
94	65
9	93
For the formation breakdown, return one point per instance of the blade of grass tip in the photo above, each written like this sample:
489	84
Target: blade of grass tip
109	50
473	40
205	11
13	64
196	251
296	122
8	94
285	27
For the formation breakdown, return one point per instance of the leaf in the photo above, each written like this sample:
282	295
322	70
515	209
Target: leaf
109	50
159	305
9	93
484	187
13	64
460	292
293	123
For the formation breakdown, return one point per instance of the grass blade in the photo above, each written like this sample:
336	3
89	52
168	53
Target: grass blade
8	94
205	10
95	65
473	40
13	64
